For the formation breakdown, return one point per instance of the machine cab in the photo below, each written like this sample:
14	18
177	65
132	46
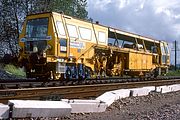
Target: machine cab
36	34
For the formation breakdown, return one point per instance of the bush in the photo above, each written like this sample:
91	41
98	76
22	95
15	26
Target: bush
15	70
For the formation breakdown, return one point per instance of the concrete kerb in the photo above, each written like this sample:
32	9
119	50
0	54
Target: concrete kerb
86	106
175	87
4	111
32	108
169	88
122	93
141	91
108	98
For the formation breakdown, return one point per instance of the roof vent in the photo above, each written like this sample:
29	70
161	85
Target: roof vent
61	12
97	22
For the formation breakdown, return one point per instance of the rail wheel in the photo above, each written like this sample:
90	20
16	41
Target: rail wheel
55	76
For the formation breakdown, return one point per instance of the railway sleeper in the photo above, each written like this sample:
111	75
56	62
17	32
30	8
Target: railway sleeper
3	86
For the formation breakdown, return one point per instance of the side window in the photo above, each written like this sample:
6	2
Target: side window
72	31
127	44
166	49
102	37
85	33
60	28
154	49
63	45
162	50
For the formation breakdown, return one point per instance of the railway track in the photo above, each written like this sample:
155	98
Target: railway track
79	91
34	83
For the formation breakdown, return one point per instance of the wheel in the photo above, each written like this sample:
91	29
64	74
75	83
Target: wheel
54	76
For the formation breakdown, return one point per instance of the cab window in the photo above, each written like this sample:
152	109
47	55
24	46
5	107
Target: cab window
36	28
162	50
166	49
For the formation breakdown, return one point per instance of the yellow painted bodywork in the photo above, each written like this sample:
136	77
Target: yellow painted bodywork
55	53
140	61
51	30
129	59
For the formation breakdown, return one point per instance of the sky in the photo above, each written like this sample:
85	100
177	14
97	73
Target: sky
159	19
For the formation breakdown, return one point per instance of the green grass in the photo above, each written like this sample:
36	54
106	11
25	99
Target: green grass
174	73
15	70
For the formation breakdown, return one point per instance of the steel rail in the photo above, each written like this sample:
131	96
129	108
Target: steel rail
80	91
32	83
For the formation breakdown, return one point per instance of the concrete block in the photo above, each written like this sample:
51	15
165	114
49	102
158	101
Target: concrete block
32	108
164	89
4	111
108	98
86	106
175	87
142	91
122	93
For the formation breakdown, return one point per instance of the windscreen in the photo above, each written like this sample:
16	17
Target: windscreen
36	34
37	28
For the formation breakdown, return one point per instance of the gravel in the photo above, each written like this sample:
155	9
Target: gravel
155	106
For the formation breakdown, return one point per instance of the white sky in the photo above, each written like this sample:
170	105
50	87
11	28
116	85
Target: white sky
159	19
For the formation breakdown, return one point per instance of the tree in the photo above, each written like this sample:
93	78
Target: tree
75	8
9	24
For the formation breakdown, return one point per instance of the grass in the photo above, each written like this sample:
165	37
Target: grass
21	73
15	70
174	73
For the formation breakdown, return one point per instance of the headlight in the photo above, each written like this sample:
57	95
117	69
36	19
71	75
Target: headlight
44	54
35	49
60	59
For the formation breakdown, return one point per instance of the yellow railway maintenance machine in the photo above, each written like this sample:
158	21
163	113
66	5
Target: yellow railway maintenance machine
58	46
